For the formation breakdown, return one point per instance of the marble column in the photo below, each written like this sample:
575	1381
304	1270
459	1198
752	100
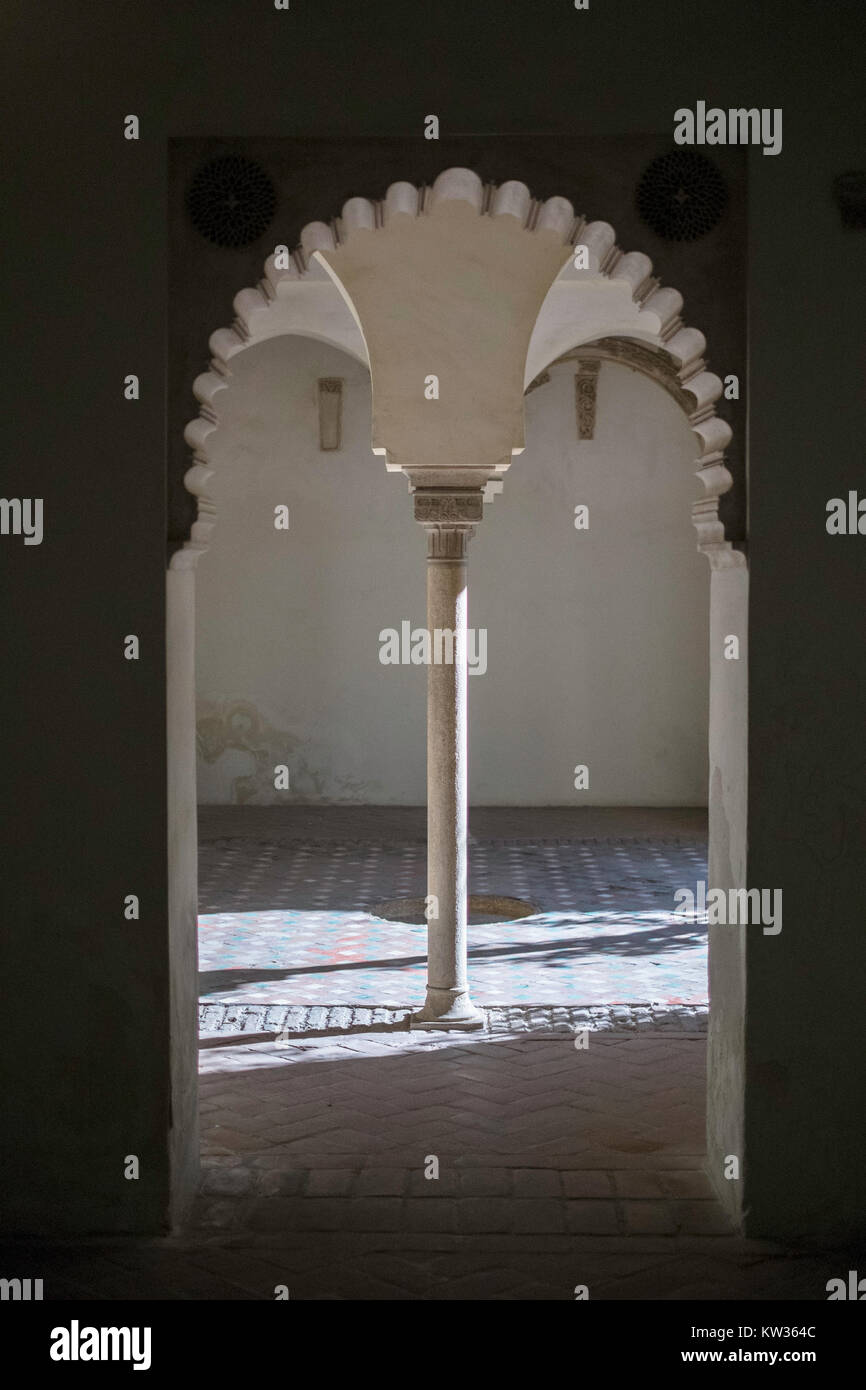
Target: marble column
448	518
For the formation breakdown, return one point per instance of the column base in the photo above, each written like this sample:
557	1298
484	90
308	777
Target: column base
445	1008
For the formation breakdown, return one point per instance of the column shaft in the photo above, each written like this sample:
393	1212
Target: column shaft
447	782
448	1002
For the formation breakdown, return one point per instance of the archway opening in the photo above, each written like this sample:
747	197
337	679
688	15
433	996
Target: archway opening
592	606
258	738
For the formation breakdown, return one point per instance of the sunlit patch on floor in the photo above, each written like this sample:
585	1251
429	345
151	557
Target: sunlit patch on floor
355	958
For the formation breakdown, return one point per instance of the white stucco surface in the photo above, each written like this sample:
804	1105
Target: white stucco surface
596	640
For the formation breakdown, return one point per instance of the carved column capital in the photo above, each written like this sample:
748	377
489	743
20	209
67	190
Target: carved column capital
448	516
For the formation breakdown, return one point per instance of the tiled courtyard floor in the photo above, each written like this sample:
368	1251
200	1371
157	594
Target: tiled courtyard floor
292	921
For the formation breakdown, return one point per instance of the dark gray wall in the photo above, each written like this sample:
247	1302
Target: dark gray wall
805	1055
85	1064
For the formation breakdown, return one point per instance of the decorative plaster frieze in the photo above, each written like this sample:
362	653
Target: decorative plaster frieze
451	507
654	362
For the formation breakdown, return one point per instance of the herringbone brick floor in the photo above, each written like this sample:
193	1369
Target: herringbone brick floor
466	1099
558	1167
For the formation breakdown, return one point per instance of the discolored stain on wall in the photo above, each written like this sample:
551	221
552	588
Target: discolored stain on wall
231	726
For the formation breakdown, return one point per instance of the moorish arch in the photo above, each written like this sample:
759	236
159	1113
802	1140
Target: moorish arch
614	310
497	297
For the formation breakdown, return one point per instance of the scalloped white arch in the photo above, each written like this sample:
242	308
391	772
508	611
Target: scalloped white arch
616	296
615	299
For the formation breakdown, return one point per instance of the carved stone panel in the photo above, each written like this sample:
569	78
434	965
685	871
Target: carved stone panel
330	412
585	383
449	507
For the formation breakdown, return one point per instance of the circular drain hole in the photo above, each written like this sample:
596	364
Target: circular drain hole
483	910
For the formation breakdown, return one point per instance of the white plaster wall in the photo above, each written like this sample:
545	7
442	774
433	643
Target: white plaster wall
728	807
597	640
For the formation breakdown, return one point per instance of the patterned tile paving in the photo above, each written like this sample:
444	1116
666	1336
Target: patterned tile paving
292	923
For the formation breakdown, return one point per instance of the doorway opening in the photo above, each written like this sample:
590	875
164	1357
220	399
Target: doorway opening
243	742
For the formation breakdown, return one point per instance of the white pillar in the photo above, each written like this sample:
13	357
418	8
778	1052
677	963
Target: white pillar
447	519
183	1135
